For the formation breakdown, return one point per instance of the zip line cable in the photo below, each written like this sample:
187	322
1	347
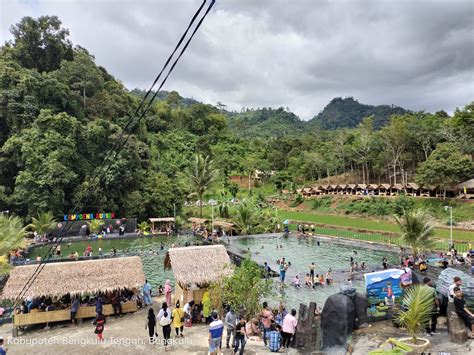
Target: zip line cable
118	144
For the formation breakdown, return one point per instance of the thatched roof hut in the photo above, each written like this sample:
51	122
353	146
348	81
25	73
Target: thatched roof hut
469	184
224	225
76	277
197	220
199	265
413	186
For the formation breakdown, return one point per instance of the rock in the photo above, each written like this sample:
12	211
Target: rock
456	328
337	320
308	332
446	278
360	303
347	290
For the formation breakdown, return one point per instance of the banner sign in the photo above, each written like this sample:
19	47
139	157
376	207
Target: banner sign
88	216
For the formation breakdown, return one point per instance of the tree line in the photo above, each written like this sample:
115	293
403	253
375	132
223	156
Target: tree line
61	113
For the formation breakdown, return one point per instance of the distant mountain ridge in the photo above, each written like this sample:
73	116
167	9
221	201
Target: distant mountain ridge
348	113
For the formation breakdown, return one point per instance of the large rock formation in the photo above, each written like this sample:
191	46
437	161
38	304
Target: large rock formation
308	332
456	328
446	278
360	303
337	320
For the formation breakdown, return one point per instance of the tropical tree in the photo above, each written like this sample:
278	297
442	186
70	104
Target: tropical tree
270	220
246	217
243	290
12	236
416	230
201	175
417	309
44	223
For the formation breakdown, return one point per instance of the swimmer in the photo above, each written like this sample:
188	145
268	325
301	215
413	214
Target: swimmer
362	266
307	280
296	282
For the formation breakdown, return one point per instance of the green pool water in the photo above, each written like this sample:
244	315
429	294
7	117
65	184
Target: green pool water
302	252
147	247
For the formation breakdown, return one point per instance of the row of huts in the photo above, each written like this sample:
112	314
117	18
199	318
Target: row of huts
463	190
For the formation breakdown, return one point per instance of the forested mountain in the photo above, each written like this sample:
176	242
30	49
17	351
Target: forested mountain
171	96
265	122
61	114
348	113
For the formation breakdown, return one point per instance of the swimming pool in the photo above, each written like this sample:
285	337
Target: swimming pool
149	249
301	252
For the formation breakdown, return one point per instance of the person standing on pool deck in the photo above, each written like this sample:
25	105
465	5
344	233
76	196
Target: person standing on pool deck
168	291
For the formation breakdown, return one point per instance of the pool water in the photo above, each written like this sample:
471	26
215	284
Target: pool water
147	247
301	252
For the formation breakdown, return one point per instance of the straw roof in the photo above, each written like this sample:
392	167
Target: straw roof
373	186
161	219
223	224
384	186
76	277
333	186
199	265
413	186
469	184
361	186
350	186
197	220
398	186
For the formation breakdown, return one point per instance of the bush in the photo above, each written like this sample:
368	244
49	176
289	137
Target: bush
299	199
322	203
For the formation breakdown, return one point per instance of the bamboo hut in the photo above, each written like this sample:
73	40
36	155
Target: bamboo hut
324	189
425	191
350	189
195	268
228	227
397	189
317	191
75	278
164	223
466	189
373	189
307	192
361	189
384	189
198	221
413	189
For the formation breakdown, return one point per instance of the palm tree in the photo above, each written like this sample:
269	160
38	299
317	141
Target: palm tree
12	236
417	309
201	175
271	220
246	217
416	230
43	224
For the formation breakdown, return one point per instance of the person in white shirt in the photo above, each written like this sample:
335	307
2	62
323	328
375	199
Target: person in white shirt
456	283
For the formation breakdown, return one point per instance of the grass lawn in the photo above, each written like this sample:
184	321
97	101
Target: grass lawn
364	223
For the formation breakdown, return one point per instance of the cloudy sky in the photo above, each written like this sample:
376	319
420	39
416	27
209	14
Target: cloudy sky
292	53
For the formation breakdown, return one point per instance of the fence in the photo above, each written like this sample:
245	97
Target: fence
438	245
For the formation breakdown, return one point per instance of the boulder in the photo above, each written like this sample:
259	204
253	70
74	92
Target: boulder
360	303
456	328
445	279
337	320
308	332
348	290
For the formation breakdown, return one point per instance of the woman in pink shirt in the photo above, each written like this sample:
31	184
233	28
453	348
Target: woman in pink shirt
288	329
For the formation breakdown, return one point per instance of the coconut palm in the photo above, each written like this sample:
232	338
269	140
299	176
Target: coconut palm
417	309
43	224
201	175
270	220
246	217
416	230
12	236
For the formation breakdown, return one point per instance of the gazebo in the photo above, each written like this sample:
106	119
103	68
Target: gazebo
75	278
360	189
166	221
226	226
195	268
466	189
384	189
413	189
373	189
397	189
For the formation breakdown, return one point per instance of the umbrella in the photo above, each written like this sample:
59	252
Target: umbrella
286	221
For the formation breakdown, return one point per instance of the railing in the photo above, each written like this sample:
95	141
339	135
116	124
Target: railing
438	245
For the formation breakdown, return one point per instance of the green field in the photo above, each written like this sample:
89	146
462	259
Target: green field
365	223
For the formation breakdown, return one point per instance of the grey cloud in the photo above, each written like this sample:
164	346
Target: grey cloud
295	53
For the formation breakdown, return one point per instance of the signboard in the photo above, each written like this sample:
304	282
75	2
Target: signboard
386	285
88	216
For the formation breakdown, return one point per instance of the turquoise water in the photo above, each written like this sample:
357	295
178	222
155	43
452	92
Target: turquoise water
301	252
147	247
